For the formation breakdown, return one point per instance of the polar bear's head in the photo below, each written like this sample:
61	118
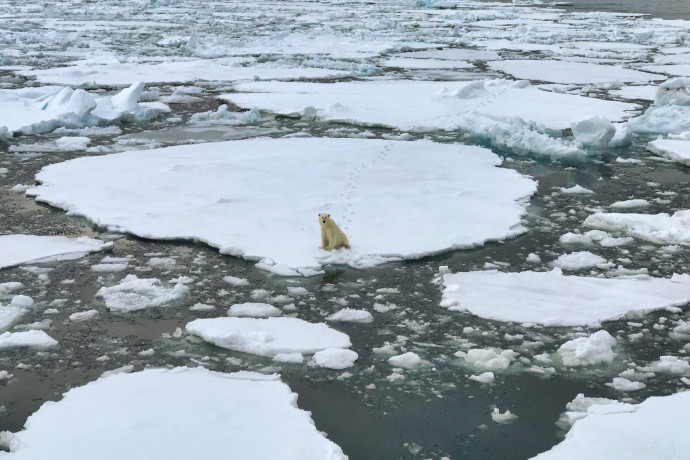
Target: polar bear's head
323	218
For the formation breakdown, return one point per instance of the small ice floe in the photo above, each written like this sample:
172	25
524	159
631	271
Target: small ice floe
83	316
489	358
587	351
629	204
291	358
20	249
335	358
502	417
134	293
28	339
623	384
669	365
657	228
235	281
580	260
653	429
485	377
159	413
255	310
351	315
576	190
202	307
409	360
268	337
673	149
553	299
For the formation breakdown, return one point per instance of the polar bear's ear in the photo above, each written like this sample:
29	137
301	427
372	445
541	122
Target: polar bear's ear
328	215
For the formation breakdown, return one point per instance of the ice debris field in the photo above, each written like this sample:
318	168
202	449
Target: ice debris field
512	178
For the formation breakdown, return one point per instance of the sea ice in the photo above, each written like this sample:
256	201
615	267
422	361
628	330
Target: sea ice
20	249
669	365
657	228
584	351
670	112
43	109
502	417
178	413
222	198
256	310
134	293
557	71
268	337
409	360
335	358
490	358
651	430
28	339
351	315
593	131
673	149
553	299
579	260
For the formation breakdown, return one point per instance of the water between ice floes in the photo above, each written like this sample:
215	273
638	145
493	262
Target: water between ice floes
371	410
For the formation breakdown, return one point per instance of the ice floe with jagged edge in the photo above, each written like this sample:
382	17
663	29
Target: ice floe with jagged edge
18	306
20	249
269	336
116	73
260	198
676	147
670	112
27	339
511	114
660	228
604	429
554	299
133	293
182	412
46	108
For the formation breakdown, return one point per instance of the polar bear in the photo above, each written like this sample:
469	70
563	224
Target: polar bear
331	235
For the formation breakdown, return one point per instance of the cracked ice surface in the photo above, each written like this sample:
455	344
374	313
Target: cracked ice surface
259	199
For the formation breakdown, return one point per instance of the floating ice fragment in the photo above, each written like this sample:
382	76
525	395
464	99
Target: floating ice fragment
505	417
351	315
335	358
585	351
256	310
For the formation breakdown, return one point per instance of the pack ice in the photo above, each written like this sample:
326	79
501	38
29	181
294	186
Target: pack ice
44	109
553	299
20	249
178	413
260	198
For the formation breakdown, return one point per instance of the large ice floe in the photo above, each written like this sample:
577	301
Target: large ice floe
260	198
270	336
553	299
178	413
651	430
44	109
19	249
511	114
673	149
660	228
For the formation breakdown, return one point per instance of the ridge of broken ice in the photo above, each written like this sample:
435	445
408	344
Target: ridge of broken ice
178	413
658	228
259	199
46	108
553	299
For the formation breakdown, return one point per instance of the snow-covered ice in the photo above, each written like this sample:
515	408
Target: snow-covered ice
178	413
553	299
46	108
268	337
670	112
351	315
557	71
27	339
489	358
21	249
256	310
591	350
223	198
673	149
579	260
658	228
653	429
134	293
409	360
335	358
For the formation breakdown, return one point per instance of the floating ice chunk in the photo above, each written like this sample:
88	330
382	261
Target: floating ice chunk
335	358
268	337
409	360
505	417
223	117
670	112
579	260
611	242
28	339
211	183
83	316
256	310
202	307
20	249
673	149
292	358
161	262
22	301
628	204
233	280
533	258
585	351
490	358
669	365
70	143
657	228
651	430
134	293
578	409
576	239
296	291
352	316
109	268
191	412
485	377
593	131
576	190
623	384
550	298
681	331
